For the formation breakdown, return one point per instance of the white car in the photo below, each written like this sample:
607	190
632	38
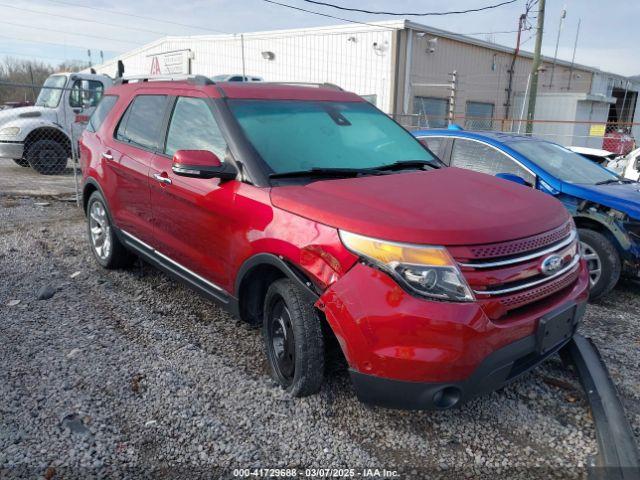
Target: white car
630	165
41	136
602	157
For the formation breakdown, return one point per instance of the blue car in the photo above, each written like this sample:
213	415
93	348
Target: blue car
605	207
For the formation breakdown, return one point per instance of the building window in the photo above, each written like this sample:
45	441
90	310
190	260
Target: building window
479	116
432	111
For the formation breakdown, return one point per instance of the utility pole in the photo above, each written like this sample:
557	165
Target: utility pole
507	105
535	67
563	15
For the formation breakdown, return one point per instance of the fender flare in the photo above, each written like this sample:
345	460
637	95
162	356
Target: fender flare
290	271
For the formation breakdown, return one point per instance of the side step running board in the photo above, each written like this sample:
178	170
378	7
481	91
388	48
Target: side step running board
617	457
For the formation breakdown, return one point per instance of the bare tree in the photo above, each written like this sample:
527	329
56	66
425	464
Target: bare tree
21	72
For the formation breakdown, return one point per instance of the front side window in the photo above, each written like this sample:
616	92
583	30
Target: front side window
483	158
193	127
562	163
51	91
86	93
100	113
141	122
301	135
436	144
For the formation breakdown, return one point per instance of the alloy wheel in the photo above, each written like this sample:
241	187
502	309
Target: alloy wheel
594	264
100	230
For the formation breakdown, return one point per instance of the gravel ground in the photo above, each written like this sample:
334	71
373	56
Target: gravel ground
129	374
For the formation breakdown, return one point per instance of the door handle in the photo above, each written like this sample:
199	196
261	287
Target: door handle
162	179
107	156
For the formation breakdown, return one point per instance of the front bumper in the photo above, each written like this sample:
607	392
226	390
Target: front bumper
11	150
495	371
407	352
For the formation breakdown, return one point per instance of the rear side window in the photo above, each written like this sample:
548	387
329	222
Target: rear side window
141	122
101	112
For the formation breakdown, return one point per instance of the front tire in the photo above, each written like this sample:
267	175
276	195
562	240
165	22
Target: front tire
106	247
294	342
21	161
603	262
47	157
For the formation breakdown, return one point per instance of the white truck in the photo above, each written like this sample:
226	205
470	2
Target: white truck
42	136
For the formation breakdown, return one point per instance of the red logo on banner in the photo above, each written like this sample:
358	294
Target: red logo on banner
155	66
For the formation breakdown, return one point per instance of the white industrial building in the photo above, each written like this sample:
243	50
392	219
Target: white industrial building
421	75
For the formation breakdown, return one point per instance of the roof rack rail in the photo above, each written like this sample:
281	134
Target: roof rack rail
304	84
194	79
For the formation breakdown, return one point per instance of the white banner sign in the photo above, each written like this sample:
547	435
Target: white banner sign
169	63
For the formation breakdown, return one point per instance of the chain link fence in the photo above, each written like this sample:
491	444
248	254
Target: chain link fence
40	125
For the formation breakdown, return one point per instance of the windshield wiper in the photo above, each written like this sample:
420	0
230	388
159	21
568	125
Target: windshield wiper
614	180
326	172
407	164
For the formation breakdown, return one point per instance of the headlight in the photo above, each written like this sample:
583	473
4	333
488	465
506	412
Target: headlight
423	269
10	131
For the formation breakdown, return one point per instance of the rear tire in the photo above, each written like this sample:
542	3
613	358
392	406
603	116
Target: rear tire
603	262
106	247
294	342
47	157
21	161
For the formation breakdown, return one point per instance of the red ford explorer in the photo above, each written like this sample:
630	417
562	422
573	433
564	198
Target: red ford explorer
305	209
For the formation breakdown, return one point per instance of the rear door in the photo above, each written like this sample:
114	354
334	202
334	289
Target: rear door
192	217
128	155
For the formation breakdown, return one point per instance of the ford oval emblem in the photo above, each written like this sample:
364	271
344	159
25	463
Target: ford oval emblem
551	264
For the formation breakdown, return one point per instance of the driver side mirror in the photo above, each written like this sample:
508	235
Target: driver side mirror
512	177
202	164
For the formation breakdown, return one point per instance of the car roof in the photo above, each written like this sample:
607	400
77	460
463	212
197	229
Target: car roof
492	135
245	90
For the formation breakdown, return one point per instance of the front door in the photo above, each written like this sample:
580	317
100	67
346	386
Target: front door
193	218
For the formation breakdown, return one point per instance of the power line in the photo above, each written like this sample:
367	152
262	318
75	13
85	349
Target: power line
116	12
66	45
67	17
327	15
69	33
411	14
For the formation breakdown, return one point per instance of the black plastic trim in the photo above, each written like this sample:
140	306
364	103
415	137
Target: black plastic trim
290	271
617	457
228	302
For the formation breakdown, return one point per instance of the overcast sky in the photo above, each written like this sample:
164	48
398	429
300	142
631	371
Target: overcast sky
608	37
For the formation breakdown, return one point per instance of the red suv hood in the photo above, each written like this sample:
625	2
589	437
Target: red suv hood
448	206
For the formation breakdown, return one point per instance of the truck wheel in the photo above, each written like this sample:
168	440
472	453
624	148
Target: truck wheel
47	157
603	262
21	161
106	247
292	332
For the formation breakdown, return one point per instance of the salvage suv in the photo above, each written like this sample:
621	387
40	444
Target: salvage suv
304	209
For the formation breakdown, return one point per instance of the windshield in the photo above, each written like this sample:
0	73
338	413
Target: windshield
50	97
295	136
562	163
